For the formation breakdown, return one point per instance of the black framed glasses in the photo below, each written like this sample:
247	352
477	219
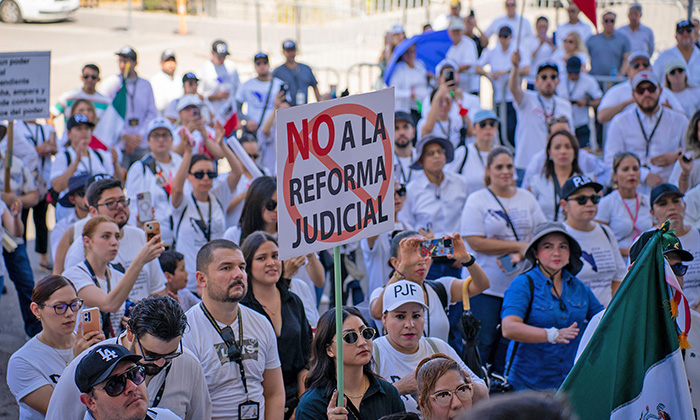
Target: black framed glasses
271	205
61	308
401	191
686	29
201	174
489	123
116	385
112	205
233	352
367	333
679	269
444	398
648	88
90	76
148	356
544	77
583	199
644	65
676	71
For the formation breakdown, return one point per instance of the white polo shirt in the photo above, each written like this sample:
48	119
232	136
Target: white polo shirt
577	90
464	54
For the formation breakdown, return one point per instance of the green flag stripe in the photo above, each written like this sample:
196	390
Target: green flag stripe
119	102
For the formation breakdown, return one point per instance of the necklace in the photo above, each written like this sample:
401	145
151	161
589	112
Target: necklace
43	340
365	386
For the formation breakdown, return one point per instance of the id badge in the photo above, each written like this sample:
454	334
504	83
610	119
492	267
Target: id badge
133	122
300	97
249	410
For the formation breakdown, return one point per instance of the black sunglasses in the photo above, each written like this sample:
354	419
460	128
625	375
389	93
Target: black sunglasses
676	71
148	356
638	65
544	77
116	385
271	205
641	89
687	29
609	20
490	123
351	337
89	76
62	308
679	269
200	174
583	199
401	191
233	352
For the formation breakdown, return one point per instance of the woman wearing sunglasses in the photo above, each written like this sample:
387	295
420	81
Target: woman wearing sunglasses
603	268
676	80
545	310
366	395
34	369
199	215
470	160
99	283
269	294
399	352
444	391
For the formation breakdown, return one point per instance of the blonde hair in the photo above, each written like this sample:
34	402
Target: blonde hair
428	372
92	224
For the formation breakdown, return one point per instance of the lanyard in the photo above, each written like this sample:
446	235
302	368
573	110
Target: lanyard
404	178
159	395
478	154
557	192
570	89
505	212
636	209
644	133
207	232
214	324
544	110
132	94
449	128
94	277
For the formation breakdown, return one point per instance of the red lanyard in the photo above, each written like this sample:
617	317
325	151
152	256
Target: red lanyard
636	210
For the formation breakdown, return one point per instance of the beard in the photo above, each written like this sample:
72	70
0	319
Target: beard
649	109
224	295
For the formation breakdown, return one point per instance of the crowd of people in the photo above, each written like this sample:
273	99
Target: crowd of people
167	298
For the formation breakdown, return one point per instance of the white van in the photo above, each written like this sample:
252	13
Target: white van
16	11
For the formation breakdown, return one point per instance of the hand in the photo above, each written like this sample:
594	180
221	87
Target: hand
81	150
115	156
292	266
334	412
16	208
251	125
219	132
666	159
8	197
460	253
427	233
186	139
567	334
150	251
133	142
580	102
410	254
515	59
281	95
406	385
686	167
653	180
83	343
667	104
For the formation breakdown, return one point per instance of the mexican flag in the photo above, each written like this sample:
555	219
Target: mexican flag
106	134
632	367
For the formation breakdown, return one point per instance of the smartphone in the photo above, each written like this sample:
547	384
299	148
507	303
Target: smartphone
152	229
507	265
127	308
145	205
687	157
284	88
449	75
437	247
91	320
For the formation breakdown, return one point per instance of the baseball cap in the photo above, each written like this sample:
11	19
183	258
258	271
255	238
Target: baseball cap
261	55
168	55
455	4
671	244
188	100
573	65
220	48
403	116
505	31
644	76
76	183
426	140
289	45
396	29
76	120
548	65
577	182
189	76
158	122
636	55
483	115
637	7
674	64
128	52
456	25
684	24
402	292
663	189
99	363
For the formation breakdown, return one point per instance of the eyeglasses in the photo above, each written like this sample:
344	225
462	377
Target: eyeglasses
116	385
583	199
490	123
569	41
679	269
200	174
401	191
636	66
271	205
544	77
233	353
676	71
112	205
254	156
641	89
686	29
609	20
367	333
434	152
89	76
166	135
62	308
444	398
153	357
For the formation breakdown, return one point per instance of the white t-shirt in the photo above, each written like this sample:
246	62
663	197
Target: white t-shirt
166	89
234	216
483	216
31	367
223	376
613	210
154	413
515	23
583	30
308	298
91	164
213	79
602	261
474	167
191	236
394	365
577	90
59	229
691	280
406	82
449	129
257	93
543	190
464	54
436	322
499	60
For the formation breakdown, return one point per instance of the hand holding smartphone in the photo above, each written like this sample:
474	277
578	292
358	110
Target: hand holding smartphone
91	320
507	264
152	229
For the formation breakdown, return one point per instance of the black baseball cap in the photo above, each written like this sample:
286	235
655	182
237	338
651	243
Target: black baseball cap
220	48
684	24
261	56
189	76
663	189
78	119
76	184
403	116
671	245
577	182
505	31
128	52
289	45
168	55
573	65
99	363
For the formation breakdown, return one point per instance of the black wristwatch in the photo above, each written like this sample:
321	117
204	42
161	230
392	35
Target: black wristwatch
470	262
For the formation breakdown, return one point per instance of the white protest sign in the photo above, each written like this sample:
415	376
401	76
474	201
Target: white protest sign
334	172
24	85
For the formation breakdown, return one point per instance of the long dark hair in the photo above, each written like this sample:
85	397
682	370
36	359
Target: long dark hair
691	135
249	247
548	167
322	371
259	193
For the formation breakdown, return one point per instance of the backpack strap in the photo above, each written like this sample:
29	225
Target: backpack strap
150	162
464	160
439	288
531	284
432	345
69	159
375	353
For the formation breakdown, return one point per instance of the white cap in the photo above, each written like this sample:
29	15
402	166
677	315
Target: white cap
401	292
159	122
188	100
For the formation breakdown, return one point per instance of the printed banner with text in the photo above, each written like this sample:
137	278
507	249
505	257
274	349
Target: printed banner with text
334	172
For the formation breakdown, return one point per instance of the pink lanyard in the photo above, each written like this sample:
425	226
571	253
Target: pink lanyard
636	211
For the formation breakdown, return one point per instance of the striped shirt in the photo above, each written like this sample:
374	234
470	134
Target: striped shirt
66	100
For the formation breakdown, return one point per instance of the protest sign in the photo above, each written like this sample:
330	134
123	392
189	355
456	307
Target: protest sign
334	167
24	85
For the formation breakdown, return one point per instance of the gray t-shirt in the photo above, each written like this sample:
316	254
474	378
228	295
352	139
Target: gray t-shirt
298	79
607	52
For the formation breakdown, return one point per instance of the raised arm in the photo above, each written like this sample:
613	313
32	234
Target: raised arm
178	185
514	81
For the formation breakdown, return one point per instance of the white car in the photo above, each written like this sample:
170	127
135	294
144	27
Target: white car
16	11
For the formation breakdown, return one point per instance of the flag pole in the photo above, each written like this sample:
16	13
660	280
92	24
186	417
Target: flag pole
8	154
520	25
338	325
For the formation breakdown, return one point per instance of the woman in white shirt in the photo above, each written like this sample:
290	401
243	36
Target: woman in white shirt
410	80
625	209
497	223
440	122
572	47
603	268
35	368
676	80
561	164
686	172
470	160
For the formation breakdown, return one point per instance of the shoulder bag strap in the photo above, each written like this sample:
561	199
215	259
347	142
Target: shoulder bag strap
464	159
267	100
432	345
510	223
377	359
531	284
557	193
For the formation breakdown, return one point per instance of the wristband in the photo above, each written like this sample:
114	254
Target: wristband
470	262
552	334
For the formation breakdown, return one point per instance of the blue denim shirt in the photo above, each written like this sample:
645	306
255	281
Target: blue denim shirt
545	365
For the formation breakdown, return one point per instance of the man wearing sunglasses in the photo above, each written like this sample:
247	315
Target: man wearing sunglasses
173	375
89	77
112	386
683	50
649	130
608	49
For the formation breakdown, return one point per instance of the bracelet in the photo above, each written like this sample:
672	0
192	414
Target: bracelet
470	262
552	334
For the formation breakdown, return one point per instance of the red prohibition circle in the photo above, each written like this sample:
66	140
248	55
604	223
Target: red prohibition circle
329	163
